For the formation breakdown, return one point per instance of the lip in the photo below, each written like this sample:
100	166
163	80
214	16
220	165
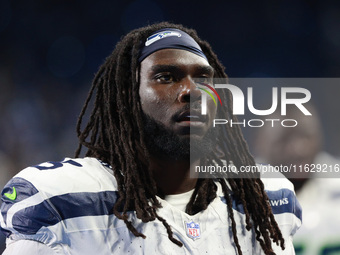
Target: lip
191	118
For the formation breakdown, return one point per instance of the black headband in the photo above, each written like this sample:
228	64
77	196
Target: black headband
170	38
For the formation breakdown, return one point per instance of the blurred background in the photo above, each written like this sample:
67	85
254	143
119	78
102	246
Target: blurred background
50	50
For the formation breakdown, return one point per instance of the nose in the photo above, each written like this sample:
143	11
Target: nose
188	91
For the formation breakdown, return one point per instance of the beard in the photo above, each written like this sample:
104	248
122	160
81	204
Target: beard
163	142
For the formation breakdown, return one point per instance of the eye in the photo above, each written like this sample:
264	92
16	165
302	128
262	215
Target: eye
165	78
206	79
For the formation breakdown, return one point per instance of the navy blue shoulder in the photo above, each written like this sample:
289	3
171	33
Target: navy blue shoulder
33	199
281	195
284	201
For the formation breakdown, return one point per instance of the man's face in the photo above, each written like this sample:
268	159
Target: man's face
169	95
290	146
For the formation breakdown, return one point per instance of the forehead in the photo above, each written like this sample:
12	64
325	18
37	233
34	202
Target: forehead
173	57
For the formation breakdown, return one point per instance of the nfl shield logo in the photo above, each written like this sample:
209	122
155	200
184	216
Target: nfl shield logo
193	230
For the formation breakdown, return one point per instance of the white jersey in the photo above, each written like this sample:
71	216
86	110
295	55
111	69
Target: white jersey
66	208
320	199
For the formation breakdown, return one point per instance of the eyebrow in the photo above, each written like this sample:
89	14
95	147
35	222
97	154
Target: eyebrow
176	68
206	69
165	68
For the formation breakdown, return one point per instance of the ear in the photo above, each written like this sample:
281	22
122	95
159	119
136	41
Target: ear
138	73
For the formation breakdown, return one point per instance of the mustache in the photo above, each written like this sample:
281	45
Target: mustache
190	108
195	106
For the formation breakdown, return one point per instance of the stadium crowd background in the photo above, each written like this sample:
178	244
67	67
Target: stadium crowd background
50	50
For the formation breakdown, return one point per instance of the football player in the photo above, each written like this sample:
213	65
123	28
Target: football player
133	193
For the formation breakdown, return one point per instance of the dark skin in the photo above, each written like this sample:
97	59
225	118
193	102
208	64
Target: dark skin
166	90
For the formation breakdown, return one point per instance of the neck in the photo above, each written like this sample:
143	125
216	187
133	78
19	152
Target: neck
173	176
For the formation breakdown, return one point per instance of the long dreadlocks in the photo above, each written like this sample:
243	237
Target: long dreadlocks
115	131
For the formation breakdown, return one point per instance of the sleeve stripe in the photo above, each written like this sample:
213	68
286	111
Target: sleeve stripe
51	211
281	201
24	190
